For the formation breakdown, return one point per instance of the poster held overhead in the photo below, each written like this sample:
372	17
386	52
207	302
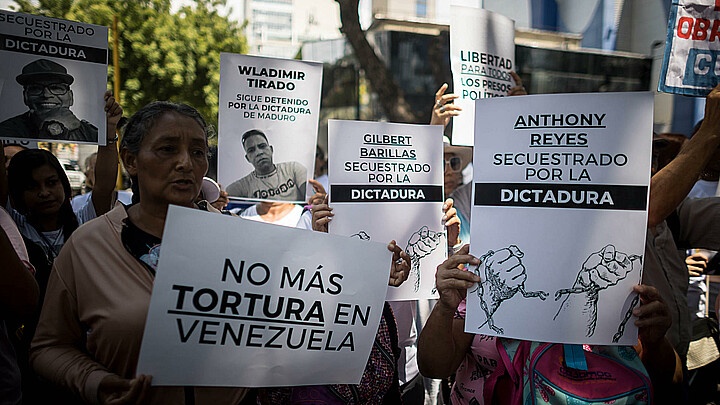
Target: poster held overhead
560	195
241	314
386	183
54	75
482	55
269	111
690	64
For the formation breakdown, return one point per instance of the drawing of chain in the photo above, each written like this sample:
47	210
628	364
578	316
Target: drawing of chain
628	314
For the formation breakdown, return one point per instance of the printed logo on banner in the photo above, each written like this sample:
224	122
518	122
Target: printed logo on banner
42	95
269	110
560	216
690	64
386	183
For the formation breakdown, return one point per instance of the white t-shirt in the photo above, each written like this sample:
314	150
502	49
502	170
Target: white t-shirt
51	242
79	201
290	219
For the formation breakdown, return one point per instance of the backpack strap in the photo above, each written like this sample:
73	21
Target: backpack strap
505	384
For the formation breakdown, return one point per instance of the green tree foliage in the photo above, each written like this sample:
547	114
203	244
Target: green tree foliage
163	56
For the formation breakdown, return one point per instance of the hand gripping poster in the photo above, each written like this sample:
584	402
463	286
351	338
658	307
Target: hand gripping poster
482	55
690	65
54	76
559	216
270	306
269	110
386	183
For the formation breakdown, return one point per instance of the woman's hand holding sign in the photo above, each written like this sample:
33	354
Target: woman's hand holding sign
451	222
400	268
452	281
321	216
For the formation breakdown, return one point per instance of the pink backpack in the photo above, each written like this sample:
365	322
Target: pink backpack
537	373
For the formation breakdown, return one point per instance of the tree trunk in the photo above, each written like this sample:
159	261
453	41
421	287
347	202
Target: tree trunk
390	94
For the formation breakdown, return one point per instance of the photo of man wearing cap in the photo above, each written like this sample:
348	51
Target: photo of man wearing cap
285	181
47	94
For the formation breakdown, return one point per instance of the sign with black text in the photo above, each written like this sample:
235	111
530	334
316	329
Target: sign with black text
269	111
54	75
482	55
690	65
386	183
559	216
270	306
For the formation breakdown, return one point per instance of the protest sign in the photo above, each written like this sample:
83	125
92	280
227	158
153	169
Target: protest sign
482	54
559	216
25	143
269	111
270	306
690	65
55	76
386	183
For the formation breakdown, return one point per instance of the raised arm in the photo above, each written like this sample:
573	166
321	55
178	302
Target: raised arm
106	168
672	183
443	343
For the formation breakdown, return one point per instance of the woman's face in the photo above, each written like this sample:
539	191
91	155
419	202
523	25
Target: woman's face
45	194
171	162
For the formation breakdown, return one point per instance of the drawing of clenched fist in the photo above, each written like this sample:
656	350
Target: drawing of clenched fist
503	275
506	270
603	269
421	244
600	270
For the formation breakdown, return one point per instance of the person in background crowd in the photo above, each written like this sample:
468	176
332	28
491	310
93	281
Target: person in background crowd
92	321
286	214
79	201
663	267
11	150
39	203
443	110
18	300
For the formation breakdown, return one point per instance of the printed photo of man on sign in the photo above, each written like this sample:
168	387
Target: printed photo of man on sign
52	80
269	180
268	127
48	97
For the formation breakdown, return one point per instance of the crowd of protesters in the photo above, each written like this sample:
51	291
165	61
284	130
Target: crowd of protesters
77	275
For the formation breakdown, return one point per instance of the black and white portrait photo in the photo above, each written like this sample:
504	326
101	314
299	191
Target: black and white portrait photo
269	180
48	96
268	127
52	79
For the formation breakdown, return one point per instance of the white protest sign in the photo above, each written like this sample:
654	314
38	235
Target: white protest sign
55	76
559	216
690	64
270	306
386	183
25	143
482	54
269	111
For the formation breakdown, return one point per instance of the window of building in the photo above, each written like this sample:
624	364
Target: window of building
421	8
